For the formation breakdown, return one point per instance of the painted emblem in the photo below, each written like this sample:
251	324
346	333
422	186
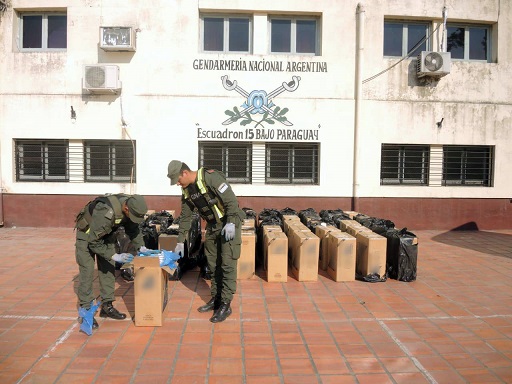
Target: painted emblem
259	102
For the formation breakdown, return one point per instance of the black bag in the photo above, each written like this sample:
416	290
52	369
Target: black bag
401	254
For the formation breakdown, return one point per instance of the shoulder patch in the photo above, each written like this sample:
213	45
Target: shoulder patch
110	214
223	187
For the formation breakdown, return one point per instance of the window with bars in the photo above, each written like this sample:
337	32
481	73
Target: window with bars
226	33
402	38
41	160
469	42
292	163
295	35
233	159
404	164
109	161
468	165
43	31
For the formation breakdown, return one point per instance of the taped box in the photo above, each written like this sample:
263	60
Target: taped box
167	242
246	265
276	257
151	290
370	254
305	253
341	250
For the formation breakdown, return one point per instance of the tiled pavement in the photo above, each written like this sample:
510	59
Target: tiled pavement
452	325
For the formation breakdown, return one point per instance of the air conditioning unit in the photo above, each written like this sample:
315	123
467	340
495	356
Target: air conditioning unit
436	64
101	78
117	39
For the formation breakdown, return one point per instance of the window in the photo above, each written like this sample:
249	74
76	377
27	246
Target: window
109	161
404	164
292	164
402	39
226	34
233	159
294	35
43	31
470	165
468	42
41	160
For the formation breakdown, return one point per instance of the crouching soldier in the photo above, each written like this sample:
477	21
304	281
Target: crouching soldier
96	238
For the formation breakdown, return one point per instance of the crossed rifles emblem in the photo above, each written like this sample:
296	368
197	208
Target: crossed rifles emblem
258	101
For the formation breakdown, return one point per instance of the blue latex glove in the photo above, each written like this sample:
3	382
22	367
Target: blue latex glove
87	317
122	257
168	258
180	249
228	231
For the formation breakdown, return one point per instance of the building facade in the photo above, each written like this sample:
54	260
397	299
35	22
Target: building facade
399	110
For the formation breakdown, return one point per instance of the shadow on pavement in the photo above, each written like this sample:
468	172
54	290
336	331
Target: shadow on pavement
470	237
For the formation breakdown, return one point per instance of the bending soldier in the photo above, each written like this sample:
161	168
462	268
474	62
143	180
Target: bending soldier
96	238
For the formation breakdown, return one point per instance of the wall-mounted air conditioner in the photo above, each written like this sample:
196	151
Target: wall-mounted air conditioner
436	64
100	78
117	39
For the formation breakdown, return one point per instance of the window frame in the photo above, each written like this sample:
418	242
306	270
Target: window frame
405	36
291	166
293	34
226	26
225	148
463	181
467	41
44	31
45	160
112	166
401	166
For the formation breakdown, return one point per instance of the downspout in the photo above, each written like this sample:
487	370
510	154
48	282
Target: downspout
360	13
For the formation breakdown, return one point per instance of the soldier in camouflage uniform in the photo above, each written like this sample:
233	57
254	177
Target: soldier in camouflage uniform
96	226
208	192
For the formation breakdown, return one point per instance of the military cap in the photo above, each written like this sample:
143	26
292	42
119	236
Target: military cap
173	171
137	208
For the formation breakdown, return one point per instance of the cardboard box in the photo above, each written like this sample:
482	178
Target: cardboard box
276	261
351	214
370	253
305	252
289	219
322	231
167	242
248	224
150	287
247	262
295	226
342	256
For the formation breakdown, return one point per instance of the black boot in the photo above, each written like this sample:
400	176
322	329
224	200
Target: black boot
127	274
107	310
209	306
94	324
222	313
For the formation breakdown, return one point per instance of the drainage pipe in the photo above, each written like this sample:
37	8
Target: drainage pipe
360	14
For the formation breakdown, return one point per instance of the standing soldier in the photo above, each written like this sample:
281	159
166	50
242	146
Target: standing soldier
208	192
96	226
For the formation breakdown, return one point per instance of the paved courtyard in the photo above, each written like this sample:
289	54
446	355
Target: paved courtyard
452	325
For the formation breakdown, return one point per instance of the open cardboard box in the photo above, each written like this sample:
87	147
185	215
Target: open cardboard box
151	292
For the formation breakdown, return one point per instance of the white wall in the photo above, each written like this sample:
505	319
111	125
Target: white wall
165	100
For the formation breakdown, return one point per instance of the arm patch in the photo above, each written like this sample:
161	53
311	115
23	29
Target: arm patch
223	187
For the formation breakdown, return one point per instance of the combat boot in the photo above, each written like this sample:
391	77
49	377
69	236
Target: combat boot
94	324
107	310
209	306
222	313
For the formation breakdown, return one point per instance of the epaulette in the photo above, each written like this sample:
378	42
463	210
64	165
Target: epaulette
210	170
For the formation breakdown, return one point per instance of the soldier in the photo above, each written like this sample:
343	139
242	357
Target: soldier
96	226
208	192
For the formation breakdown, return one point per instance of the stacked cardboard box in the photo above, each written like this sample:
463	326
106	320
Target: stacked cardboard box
322	231
341	249
275	253
370	254
304	253
247	262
